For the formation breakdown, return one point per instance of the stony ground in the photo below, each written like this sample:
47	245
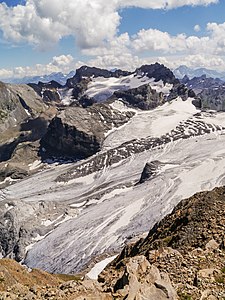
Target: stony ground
183	257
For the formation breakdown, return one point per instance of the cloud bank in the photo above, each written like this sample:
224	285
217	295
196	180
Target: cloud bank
94	25
43	23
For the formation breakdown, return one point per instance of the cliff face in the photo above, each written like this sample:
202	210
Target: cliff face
143	97
77	132
23	121
18	102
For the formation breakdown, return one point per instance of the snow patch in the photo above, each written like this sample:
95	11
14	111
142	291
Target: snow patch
36	164
155	123
99	267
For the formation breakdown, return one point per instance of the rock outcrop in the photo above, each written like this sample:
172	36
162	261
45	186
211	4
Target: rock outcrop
189	244
149	171
139	280
143	97
77	132
180	90
157	71
23	120
18	103
136	278
85	71
213	98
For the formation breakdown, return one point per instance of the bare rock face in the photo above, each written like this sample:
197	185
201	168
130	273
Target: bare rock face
23	120
22	223
213	98
86	71
180	90
77	132
143	97
149	171
48	91
159	72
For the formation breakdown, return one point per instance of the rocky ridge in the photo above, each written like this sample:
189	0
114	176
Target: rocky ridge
183	71
189	244
141	280
24	119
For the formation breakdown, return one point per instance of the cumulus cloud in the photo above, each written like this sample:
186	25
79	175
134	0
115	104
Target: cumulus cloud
154	40
43	23
197	28
162	4
94	25
62	63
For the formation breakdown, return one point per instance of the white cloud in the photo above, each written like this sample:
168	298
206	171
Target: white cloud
62	60
154	40
197	28
63	63
43	23
163	4
94	26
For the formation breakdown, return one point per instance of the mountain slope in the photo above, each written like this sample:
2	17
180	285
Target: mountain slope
105	206
74	211
194	231
182	257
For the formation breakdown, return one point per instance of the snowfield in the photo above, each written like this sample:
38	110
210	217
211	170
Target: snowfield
101	88
112	207
153	123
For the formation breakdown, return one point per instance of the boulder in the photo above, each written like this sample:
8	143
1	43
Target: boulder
138	279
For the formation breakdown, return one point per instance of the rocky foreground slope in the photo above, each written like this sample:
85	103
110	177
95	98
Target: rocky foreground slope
183	257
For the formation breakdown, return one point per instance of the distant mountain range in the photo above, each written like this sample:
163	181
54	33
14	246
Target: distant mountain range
182	71
59	77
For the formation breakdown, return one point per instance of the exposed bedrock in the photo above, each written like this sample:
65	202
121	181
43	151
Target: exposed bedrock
143	97
77	132
86	71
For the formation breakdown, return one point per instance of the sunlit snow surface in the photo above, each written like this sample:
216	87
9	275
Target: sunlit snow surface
101	88
112	207
99	267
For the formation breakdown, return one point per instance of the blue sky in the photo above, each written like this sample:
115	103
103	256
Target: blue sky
42	36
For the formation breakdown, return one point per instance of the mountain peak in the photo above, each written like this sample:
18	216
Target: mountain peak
183	70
